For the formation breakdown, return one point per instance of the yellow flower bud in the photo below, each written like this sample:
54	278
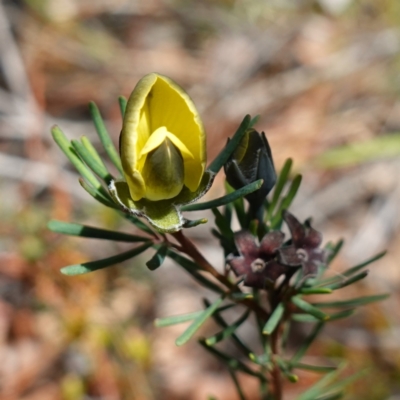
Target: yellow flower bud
162	142
163	155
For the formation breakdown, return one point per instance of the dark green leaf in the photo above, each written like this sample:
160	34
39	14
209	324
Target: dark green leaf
224	199
67	228
84	268
105	137
280	184
158	258
228	331
193	269
224	155
192	223
241	296
232	363
221	322
287	200
198	322
222	224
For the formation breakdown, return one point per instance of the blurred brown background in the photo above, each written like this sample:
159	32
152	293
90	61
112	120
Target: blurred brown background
323	75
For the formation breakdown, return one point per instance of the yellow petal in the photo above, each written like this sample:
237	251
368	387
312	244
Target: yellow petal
158	136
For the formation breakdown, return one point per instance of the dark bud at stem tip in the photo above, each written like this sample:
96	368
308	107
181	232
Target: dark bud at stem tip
252	160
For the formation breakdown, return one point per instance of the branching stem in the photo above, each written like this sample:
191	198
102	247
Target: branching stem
191	250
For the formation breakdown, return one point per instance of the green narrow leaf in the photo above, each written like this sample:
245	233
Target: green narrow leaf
285	368
274	319
91	149
122	105
96	194
193	269
319	388
352	302
360	266
222	224
287	200
238	205
224	155
178	319
314	368
221	201
316	290
241	296
232	363
67	228
254	120
347	381
105	137
198	322
158	258
221	322
307	343
332	317
227	332
226	234
349	281
99	169
237	384
68	150
310	309
280	184
90	266
140	224
332	396
192	223
334	250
